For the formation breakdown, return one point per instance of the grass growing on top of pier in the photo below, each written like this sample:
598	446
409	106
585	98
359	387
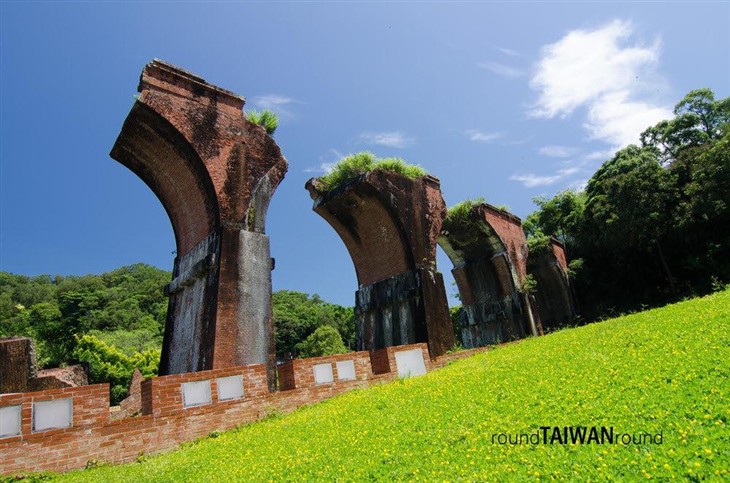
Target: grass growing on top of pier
364	162
663	371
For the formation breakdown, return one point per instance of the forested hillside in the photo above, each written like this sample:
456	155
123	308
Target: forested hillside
115	321
653	223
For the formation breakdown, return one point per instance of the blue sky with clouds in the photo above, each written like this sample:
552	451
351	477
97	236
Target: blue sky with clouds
502	100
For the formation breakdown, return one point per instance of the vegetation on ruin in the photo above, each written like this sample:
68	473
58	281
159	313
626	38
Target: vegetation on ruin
538	243
115	321
460	212
662	371
458	215
266	119
360	163
653	223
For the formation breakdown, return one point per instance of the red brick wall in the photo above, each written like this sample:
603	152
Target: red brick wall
18	371
383	360
299	373
165	423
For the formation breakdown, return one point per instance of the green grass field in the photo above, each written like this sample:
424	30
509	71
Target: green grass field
661	371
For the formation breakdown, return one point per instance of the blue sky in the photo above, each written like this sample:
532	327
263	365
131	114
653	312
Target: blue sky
502	100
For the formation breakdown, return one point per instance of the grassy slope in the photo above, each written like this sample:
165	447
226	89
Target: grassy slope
662	370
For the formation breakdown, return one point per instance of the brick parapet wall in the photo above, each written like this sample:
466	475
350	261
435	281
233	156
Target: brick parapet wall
299	373
384	359
163	396
165	423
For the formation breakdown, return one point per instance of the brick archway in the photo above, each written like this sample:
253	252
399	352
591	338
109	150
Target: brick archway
489	254
389	225
214	172
554	296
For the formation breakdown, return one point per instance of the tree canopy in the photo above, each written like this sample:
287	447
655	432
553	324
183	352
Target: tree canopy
114	322
653	223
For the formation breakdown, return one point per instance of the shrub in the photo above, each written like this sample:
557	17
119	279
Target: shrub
459	213
325	341
538	243
109	364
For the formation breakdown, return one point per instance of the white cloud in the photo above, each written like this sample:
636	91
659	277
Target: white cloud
506	51
277	103
599	155
606	73
501	69
323	168
579	185
557	151
618	120
389	139
481	136
531	180
327	162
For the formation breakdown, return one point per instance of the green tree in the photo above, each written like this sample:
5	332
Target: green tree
55	340
297	315
699	119
561	215
628	204
109	364
325	341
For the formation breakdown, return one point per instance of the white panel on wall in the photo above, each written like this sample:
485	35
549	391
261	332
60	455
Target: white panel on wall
230	387
323	373
9	421
410	363
196	393
346	370
53	414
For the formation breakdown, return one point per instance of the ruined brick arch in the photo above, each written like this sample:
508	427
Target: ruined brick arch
389	225
489	256
162	157
373	235
555	299
215	173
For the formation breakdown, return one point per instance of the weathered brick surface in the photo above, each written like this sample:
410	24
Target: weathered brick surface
389	224
18	364
18	371
165	423
558	249
509	229
299	373
132	404
383	360
489	254
554	297
215	173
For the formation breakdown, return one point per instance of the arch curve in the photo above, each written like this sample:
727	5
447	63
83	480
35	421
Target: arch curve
153	149
489	253
389	224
